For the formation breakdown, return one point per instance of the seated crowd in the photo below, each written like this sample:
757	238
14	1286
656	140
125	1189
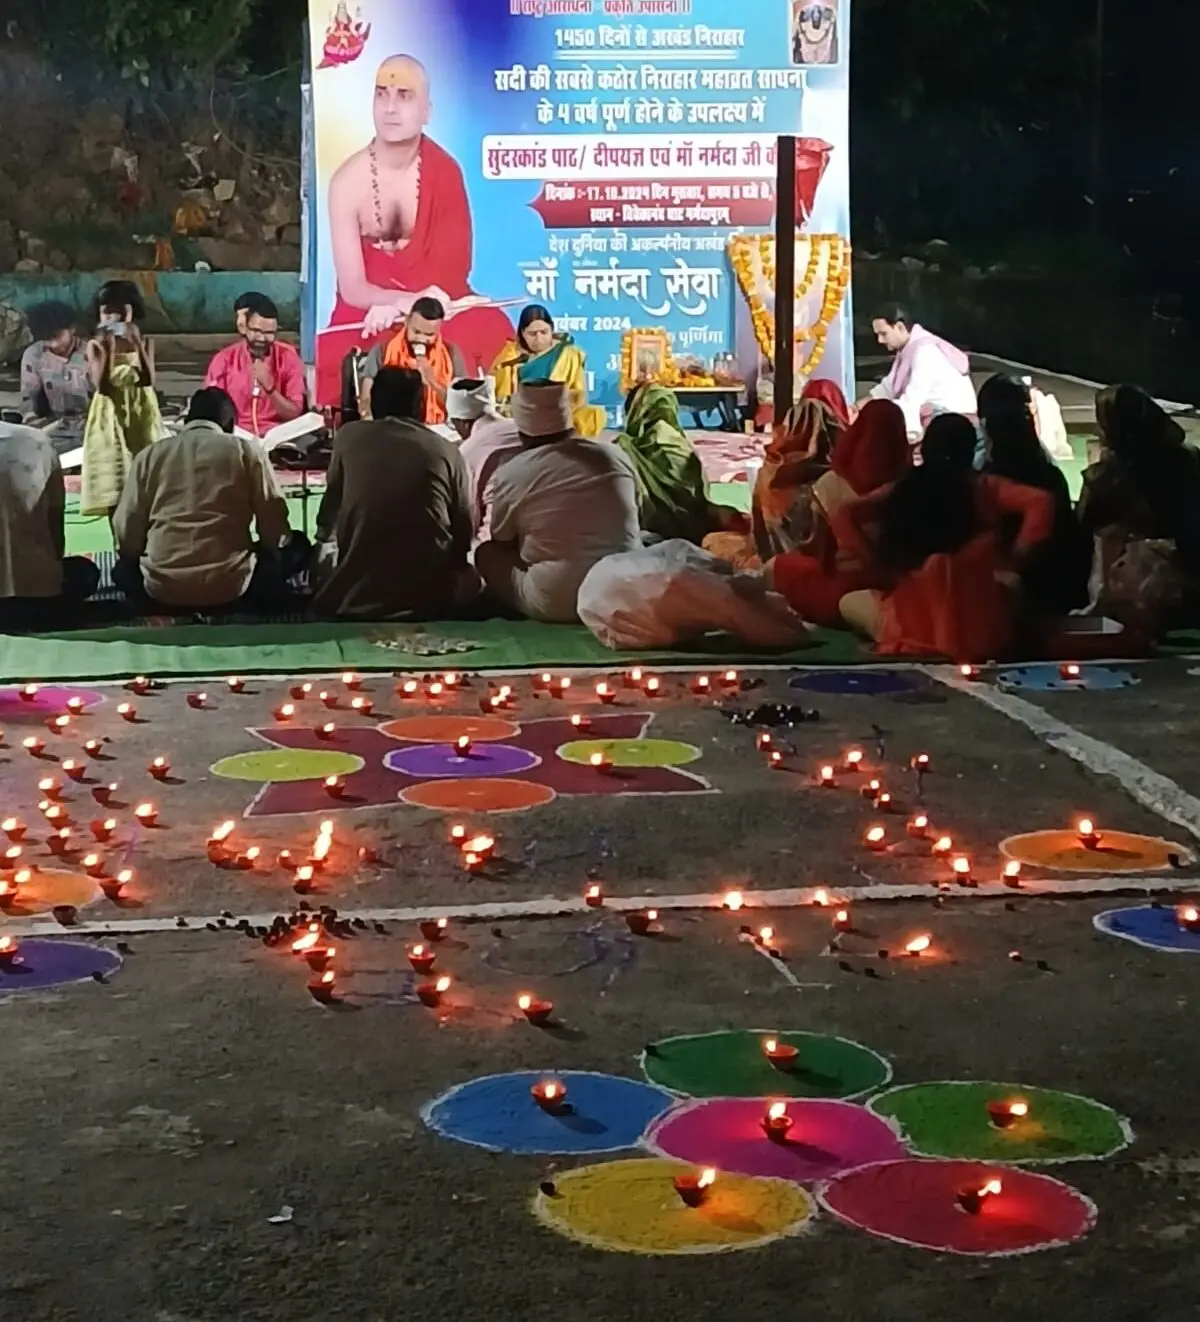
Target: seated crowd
928	520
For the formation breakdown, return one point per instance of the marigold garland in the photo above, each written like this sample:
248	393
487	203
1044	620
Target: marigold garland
752	257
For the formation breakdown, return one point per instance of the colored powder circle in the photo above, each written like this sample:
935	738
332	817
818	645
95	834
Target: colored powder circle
951	1120
446	729
46	963
50	700
826	1138
1048	678
914	1202
604	1113
425	761
285	764
631	1206
631	752
733	1064
1155	926
48	887
1118	851
868	683
498	795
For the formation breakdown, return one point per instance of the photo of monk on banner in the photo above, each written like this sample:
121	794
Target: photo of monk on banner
400	228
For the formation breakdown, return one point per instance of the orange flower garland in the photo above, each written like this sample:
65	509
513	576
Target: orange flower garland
750	251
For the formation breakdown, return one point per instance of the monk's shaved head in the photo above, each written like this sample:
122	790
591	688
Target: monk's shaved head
401	100
404	72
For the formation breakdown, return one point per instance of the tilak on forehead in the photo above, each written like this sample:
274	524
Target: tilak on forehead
403	72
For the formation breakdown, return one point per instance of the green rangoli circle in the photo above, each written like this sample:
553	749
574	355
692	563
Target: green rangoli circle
733	1064
950	1119
283	764
631	752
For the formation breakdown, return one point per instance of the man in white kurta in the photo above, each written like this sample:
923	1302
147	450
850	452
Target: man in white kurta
929	375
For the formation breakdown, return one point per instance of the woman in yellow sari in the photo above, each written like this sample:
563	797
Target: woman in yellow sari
538	354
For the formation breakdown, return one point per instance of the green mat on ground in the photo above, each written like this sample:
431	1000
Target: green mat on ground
217	649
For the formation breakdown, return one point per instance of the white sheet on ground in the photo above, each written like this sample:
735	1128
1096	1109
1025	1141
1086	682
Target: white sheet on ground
664	595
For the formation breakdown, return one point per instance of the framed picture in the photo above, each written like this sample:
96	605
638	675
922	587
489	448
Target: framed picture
646	356
815	35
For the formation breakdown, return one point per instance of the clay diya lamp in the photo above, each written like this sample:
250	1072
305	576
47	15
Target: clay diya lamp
537	1012
693	1186
782	1055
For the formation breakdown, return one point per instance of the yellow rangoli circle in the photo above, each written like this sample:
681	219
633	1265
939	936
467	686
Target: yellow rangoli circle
632	1207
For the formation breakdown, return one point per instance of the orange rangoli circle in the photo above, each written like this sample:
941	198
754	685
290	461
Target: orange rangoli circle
478	794
446	729
1118	851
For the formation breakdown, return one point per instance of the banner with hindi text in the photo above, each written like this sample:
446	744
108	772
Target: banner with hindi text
595	156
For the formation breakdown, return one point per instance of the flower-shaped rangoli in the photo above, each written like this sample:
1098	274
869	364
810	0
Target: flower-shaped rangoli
508	767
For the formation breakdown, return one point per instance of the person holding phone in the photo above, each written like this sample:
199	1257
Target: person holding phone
123	418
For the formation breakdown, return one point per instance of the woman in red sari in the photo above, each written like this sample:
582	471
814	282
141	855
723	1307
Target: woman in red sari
939	536
872	452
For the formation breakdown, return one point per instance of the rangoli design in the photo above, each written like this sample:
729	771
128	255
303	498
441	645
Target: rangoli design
509	766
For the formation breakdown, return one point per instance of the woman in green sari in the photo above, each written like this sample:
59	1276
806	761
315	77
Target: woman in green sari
538	354
672	493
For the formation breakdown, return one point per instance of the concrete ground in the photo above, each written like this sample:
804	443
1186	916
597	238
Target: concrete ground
155	1121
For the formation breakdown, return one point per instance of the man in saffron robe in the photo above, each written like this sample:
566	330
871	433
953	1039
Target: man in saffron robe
400	225
421	348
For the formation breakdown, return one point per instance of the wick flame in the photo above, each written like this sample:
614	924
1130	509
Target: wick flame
919	944
770	1045
776	1111
1018	1109
594	892
1087	826
876	834
442	984
765	934
328	976
305	942
992	1186
734	900
1012	869
707	1176
854	757
652	915
943	845
842	916
826	773
962	865
1189	914
549	1091
222	832
524	1002
821	896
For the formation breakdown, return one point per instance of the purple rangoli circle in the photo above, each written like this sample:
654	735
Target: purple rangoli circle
49	700
429	761
42	963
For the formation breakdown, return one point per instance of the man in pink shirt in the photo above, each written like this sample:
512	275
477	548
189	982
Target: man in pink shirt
264	378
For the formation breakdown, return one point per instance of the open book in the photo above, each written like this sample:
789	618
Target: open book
304	425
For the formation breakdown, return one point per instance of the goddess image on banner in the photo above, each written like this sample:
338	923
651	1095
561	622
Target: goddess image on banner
611	160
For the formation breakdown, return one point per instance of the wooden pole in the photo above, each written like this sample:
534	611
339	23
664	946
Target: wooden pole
785	273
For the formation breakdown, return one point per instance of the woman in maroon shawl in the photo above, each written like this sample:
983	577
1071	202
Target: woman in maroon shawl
797	457
872	452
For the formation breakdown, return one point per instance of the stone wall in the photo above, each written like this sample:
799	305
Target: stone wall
90	182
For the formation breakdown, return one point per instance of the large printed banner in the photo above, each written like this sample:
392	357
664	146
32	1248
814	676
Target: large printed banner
594	156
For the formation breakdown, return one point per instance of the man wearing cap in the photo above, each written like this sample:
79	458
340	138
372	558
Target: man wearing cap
400	226
558	507
488	441
395	518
